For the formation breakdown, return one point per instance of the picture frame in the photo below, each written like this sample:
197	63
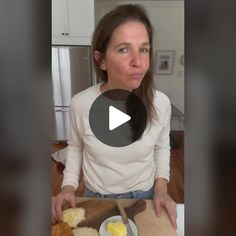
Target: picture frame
164	62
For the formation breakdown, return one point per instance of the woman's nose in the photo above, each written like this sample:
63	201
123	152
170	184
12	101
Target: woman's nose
136	59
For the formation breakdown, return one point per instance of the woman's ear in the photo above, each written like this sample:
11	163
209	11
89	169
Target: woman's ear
97	55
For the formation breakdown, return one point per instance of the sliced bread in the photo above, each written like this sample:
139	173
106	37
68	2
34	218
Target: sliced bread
73	216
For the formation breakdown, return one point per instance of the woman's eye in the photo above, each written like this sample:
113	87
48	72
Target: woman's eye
145	50
123	50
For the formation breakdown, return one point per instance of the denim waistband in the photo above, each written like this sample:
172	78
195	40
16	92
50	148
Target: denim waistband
129	195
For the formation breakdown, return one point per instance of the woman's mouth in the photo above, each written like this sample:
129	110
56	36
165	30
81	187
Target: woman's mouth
136	75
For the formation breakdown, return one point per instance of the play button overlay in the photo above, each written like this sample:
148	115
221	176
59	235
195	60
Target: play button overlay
117	118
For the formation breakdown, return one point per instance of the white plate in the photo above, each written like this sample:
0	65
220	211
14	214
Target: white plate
103	227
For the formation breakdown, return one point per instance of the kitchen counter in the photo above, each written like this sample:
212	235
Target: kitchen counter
180	219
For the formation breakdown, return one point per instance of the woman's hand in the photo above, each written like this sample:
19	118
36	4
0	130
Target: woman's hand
67	195
162	199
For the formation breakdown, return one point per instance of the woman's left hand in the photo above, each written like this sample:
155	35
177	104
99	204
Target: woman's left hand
162	199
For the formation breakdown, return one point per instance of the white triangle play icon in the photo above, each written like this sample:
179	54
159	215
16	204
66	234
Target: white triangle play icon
116	118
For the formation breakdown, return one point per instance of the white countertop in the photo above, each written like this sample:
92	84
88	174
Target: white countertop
180	219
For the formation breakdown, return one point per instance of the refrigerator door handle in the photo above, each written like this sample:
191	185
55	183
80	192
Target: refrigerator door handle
61	110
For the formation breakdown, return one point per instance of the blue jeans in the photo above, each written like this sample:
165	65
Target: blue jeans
138	194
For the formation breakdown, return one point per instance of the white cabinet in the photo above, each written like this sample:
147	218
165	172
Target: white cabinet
72	22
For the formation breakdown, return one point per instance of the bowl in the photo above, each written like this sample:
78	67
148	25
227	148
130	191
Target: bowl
103	226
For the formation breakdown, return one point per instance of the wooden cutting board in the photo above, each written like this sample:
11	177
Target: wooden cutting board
96	211
149	224
141	212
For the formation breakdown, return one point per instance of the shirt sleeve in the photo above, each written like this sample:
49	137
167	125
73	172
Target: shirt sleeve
162	146
75	150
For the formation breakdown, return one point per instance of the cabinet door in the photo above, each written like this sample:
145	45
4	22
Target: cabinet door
59	18
81	18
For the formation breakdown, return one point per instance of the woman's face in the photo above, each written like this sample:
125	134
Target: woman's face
127	56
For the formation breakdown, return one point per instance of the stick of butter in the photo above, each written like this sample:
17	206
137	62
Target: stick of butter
117	228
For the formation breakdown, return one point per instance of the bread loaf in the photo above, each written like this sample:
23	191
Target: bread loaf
62	229
85	231
73	216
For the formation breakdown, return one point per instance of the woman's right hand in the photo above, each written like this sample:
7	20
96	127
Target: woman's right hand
67	195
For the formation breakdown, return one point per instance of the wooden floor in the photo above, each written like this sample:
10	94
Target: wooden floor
175	187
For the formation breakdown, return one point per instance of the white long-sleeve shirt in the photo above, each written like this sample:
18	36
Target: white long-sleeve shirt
108	169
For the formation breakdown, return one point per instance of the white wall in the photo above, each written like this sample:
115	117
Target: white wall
167	18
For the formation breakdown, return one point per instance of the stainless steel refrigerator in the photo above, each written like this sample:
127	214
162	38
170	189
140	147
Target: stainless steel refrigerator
71	73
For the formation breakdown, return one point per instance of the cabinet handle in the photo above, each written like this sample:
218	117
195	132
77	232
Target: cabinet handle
62	110
62	33
67	34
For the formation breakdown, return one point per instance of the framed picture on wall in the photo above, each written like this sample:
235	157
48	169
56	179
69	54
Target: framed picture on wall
164	62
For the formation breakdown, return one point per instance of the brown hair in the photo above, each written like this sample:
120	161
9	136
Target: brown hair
101	38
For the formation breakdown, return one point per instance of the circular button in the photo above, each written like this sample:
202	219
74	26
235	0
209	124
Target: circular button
118	118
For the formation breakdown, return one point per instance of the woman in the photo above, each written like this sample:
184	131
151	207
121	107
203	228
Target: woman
123	59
